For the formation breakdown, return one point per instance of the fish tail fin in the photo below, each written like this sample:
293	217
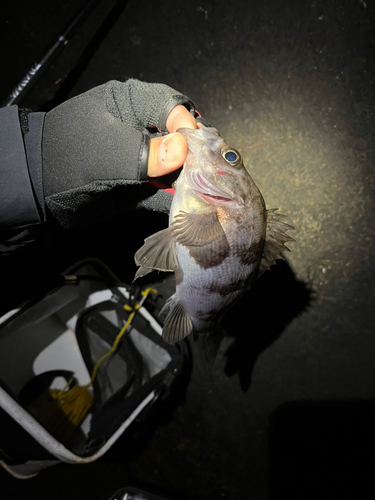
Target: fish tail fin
206	346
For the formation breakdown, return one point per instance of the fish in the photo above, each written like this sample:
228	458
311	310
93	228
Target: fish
220	238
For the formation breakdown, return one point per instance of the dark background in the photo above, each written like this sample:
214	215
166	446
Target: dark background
289	409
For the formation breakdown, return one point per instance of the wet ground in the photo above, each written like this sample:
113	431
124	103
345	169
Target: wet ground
289	409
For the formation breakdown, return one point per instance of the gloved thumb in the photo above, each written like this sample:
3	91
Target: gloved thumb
166	154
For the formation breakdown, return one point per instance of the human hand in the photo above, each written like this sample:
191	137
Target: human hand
168	153
99	155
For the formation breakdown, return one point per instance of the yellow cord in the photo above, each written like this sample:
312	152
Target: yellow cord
74	403
121	333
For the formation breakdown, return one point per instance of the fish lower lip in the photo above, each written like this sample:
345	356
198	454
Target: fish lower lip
213	197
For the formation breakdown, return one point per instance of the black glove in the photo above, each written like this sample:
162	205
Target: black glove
95	150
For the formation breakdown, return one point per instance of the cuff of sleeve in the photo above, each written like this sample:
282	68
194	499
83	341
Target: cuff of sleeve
33	147
17	202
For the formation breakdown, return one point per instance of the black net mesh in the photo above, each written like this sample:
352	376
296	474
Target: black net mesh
138	357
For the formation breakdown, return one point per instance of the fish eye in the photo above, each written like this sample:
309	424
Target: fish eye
232	156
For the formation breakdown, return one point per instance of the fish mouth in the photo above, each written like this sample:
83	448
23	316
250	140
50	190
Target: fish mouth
210	192
210	197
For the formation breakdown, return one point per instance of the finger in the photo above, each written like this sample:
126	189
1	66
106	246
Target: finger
166	154
180	117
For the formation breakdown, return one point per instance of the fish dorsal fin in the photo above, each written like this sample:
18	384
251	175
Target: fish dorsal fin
203	235
158	252
276	238
177	324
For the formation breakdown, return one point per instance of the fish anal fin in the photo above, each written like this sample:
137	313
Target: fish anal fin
158	252
177	324
275	240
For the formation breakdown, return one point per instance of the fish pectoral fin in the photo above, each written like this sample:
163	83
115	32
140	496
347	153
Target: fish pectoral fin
203	235
177	324
142	271
158	252
276	238
192	229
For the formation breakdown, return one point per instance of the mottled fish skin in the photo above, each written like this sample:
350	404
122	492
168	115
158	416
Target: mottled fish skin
215	240
206	290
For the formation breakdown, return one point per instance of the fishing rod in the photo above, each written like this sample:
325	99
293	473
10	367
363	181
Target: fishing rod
67	81
35	72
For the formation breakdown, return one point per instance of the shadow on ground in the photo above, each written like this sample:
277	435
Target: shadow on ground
260	317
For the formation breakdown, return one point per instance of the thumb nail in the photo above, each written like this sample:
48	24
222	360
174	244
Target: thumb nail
169	148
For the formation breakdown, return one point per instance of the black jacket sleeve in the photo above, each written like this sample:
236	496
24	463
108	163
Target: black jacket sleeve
83	160
22	208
